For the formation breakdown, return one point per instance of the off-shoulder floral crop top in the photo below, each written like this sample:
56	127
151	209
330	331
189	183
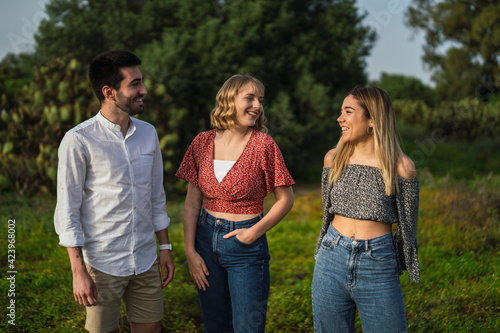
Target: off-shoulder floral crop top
359	193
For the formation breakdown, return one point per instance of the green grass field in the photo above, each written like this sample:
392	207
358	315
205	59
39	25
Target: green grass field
459	250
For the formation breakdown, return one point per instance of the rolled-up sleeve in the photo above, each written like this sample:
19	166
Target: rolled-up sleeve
71	172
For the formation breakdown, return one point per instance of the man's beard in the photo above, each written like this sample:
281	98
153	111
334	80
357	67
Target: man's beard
128	105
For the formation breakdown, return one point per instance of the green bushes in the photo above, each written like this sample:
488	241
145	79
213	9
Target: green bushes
56	100
60	97
467	119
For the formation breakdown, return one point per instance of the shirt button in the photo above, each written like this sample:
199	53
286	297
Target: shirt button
135	230
135	207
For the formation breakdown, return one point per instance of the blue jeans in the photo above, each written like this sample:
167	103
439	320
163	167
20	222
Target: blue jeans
236	300
351	273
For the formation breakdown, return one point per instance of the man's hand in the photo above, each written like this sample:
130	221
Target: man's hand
167	267
84	289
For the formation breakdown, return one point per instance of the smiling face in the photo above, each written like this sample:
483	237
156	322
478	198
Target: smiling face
248	103
354	122
132	90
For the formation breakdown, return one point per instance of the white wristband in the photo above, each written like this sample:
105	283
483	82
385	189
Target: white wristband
165	247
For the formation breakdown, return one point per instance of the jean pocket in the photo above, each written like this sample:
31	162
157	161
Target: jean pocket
257	248
382	253
328	242
235	238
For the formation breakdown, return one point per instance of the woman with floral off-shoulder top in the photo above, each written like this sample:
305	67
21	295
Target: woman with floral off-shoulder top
367	185
230	170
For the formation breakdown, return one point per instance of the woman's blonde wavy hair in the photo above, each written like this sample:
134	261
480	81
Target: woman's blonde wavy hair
377	106
222	116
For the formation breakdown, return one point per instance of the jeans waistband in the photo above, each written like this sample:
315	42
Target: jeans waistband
227	224
366	243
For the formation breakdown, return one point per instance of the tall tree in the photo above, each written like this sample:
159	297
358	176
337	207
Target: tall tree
85	28
471	31
308	54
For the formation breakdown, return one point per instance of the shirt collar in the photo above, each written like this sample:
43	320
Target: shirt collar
131	127
115	127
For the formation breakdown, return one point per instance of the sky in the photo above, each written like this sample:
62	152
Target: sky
398	49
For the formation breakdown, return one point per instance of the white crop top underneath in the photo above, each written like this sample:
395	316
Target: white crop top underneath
221	168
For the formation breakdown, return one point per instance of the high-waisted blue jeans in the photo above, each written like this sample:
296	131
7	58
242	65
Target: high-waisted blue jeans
236	300
352	273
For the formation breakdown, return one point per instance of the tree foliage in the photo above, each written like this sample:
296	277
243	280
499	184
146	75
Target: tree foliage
15	72
471	29
53	102
86	28
308	54
467	119
402	87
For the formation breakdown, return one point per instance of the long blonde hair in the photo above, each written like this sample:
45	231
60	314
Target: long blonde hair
221	117
377	106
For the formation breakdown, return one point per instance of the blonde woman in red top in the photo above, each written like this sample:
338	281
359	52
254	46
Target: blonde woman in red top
230	170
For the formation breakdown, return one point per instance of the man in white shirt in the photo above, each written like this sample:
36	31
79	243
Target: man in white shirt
111	203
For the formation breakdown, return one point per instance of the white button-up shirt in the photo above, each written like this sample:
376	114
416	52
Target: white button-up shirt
110	196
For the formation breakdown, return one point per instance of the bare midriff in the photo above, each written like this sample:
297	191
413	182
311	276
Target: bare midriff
360	229
232	217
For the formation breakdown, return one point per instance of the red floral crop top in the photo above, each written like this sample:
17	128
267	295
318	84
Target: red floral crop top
257	172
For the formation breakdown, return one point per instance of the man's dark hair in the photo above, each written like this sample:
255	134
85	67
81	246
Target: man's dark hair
104	70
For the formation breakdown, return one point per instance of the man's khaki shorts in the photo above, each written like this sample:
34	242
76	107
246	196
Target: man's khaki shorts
142	295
